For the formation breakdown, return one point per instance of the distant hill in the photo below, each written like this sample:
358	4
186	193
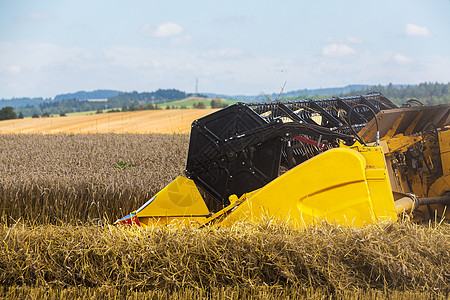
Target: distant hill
427	93
83	95
327	91
304	92
83	101
22	102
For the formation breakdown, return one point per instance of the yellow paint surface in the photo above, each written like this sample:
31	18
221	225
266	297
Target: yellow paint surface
148	121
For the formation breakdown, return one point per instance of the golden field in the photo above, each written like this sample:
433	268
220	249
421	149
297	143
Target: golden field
148	121
264	261
60	193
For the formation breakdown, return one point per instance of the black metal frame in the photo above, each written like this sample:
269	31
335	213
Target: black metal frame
241	148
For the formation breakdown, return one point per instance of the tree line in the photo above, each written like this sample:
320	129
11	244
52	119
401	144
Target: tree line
73	105
7	113
427	93
135	100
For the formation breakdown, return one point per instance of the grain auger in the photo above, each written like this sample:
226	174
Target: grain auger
350	160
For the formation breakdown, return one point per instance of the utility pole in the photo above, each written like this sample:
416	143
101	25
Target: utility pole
196	86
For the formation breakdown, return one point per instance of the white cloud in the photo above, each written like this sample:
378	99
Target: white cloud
402	59
223	53
347	40
337	50
33	17
187	67
416	30
14	69
33	55
38	16
146	30
180	40
167	29
232	20
354	40
50	69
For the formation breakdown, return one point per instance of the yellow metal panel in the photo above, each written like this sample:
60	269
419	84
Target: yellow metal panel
413	124
378	181
332	186
391	132
179	198
444	145
181	221
401	143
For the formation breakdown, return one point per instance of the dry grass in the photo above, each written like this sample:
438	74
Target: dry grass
76	178
70	180
384	257
149	121
266	293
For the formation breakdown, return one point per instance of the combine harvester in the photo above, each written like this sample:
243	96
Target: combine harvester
353	160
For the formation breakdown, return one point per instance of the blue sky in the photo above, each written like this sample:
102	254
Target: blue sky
232	47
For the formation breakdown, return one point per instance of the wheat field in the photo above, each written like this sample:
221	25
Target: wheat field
60	193
148	121
79	177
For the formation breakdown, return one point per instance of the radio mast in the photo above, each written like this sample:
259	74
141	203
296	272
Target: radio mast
196	86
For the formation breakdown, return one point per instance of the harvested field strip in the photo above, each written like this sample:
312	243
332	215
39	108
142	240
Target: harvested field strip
266	293
150	121
73	178
392	256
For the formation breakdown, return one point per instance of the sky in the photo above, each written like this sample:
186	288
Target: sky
229	47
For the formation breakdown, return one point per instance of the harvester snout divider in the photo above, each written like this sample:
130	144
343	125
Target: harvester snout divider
350	160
